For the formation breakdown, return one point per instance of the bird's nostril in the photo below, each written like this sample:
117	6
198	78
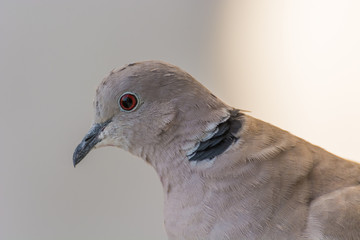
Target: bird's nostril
89	137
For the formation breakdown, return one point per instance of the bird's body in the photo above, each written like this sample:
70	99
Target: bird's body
273	185
225	175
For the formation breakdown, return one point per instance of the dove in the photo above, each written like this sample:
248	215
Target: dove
225	174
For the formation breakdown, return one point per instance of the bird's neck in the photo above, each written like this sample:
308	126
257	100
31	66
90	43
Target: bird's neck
186	142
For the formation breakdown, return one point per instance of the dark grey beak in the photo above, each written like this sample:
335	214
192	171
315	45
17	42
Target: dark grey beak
89	141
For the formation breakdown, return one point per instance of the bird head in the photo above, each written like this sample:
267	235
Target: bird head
153	110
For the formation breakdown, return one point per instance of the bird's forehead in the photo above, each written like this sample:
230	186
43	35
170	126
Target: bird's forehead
104	102
151	81
125	79
142	78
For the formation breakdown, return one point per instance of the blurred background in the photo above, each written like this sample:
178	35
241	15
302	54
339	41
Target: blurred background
292	63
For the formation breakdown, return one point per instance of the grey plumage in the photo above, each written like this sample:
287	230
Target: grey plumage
225	174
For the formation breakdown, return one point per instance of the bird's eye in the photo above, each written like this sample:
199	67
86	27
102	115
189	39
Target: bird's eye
128	102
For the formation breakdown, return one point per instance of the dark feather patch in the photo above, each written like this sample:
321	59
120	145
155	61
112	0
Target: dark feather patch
221	141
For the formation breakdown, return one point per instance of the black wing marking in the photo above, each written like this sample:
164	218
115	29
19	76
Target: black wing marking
221	141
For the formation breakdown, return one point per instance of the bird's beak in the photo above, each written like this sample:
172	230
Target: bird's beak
88	142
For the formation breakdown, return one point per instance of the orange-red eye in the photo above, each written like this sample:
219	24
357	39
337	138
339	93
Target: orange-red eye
128	102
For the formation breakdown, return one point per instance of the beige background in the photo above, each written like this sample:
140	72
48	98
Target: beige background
292	63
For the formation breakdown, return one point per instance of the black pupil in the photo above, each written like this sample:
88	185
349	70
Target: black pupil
127	102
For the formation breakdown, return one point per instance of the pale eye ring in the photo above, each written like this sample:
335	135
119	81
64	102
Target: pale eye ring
128	102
